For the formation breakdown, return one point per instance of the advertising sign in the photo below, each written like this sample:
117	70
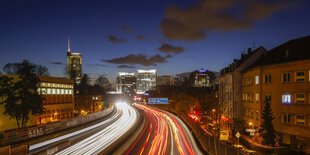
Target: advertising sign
158	101
224	135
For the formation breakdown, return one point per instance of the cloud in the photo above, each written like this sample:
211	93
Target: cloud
140	59
142	37
114	39
56	63
192	23
166	48
168	56
126	66
100	65
126	29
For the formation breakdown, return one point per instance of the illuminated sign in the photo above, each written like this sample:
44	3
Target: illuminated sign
202	71
158	101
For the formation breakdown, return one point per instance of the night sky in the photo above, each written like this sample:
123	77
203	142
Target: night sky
172	36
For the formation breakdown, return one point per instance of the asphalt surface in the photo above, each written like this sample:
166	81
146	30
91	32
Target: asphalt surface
163	133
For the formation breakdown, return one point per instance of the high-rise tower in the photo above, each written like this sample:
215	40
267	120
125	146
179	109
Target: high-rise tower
74	65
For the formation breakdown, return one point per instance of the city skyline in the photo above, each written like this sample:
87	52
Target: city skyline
133	34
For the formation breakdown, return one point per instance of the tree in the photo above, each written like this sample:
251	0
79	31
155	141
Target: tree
266	130
20	97
15	68
184	102
103	82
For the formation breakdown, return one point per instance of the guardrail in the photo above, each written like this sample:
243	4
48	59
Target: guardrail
9	137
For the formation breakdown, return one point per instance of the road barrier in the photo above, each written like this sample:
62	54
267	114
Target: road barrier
9	137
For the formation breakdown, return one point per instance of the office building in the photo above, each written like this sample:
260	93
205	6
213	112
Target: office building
74	65
126	83
146	80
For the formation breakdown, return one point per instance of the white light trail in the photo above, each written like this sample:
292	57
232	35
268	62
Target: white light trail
104	138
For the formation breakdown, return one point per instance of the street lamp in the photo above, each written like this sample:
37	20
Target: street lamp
252	133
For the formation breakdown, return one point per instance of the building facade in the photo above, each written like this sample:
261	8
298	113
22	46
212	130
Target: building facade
165	80
283	76
126	83
230	86
58	102
59	99
74	65
146	80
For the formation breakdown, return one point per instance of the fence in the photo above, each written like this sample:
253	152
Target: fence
9	137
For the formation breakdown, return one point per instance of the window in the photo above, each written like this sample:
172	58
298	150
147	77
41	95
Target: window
53	91
39	90
286	99
49	91
62	91
42	84
252	112
48	84
268	97
300	76
43	90
257	115
267	78
66	91
300	120
300	98
249	97
286	118
244	96
58	91
256	97
256	79
286	77
70	92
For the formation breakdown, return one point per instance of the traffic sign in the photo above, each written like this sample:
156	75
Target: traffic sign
158	100
238	134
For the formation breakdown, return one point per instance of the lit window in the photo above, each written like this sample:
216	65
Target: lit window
256	79
244	96
256	97
96	98
300	98
42	84
300	120
300	76
53	91
39	90
286	118
267	78
286	99
66	91
62	91
49	91
43	90
54	85
58	91
286	77
70	92
48	84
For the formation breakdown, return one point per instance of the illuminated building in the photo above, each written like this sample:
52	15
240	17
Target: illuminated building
283	76
58	103
201	78
59	99
230	85
126	83
146	80
74	65
165	80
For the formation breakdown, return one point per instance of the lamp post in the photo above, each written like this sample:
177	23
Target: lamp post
252	133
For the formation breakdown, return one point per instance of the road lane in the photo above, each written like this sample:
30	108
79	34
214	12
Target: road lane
163	133
106	137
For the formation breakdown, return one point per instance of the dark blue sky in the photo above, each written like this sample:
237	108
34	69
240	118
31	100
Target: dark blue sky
38	31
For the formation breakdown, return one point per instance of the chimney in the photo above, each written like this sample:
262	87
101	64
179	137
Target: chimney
287	53
249	50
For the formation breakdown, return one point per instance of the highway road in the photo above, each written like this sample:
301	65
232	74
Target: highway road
110	131
163	133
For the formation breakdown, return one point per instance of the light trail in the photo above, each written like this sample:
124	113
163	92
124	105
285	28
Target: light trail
104	138
66	136
167	134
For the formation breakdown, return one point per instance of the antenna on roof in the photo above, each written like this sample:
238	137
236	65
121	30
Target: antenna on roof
69	44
